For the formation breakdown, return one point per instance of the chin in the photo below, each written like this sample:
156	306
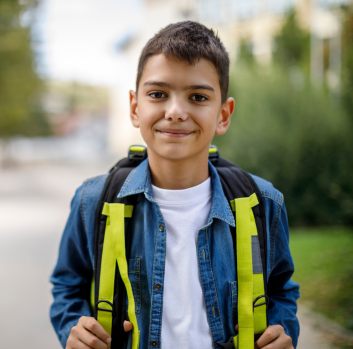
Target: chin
176	156
169	153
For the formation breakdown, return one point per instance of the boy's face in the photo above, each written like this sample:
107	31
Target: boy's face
178	107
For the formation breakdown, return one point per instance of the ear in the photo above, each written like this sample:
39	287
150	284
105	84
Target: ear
133	109
225	116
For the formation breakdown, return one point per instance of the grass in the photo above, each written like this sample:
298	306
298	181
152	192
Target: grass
323	259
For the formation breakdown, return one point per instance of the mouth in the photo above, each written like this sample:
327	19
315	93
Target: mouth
177	133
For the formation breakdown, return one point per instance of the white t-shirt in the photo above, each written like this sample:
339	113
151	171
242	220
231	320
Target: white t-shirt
184	320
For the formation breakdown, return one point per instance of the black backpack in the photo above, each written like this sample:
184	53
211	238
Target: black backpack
236	183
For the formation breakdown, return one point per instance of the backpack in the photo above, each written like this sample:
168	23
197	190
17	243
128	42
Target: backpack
113	237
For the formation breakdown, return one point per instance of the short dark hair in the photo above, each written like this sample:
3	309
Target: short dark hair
188	41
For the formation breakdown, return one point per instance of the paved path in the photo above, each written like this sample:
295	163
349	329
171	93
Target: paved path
311	336
34	205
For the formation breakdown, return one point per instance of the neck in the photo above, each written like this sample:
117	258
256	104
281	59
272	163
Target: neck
178	174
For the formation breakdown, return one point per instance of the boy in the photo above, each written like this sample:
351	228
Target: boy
185	290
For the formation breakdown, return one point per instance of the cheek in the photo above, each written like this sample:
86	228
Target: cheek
151	114
147	125
207	121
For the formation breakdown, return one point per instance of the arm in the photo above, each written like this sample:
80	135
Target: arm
70	312
72	275
283	292
283	329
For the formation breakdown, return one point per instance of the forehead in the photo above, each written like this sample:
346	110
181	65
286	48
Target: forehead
180	72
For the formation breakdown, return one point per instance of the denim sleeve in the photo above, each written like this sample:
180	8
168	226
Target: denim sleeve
72	275
283	292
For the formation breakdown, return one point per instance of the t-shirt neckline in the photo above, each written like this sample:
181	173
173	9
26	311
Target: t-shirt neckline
191	195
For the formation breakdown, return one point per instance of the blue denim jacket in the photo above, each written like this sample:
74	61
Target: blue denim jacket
73	273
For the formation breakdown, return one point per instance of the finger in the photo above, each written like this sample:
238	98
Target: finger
274	344
93	326
74	343
281	342
81	345
127	326
92	341
270	334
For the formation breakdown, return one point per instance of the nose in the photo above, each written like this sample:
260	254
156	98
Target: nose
175	110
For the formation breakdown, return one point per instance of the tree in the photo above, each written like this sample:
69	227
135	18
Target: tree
347	60
20	85
292	44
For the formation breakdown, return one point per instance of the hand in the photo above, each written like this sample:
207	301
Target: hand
273	338
89	333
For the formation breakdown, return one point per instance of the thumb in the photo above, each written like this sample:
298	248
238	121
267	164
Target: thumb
127	326
236	328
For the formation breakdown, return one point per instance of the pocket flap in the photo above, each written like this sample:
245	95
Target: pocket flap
134	265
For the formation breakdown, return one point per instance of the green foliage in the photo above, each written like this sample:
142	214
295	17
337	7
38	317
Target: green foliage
293	134
295	137
323	260
20	86
292	44
245	55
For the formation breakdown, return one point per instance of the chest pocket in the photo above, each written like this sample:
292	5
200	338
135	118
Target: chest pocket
234	296
134	277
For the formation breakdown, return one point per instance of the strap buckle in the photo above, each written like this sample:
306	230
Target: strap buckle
227	345
263	303
213	153
230	343
103	309
137	152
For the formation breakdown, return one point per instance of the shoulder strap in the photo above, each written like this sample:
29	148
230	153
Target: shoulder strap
250	250
115	312
237	183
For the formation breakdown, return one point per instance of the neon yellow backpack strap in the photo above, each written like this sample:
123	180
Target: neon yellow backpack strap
114	251
251	317
106	280
259	300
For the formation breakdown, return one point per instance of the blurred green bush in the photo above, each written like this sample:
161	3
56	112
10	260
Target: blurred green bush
295	136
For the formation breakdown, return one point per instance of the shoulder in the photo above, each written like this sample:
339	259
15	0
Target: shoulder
85	203
268	191
88	194
92	187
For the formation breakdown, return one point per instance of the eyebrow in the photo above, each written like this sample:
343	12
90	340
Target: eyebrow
191	87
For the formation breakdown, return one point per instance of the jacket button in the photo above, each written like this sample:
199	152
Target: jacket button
157	287
161	227
154	344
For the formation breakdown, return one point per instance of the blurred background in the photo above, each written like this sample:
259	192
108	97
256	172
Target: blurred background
65	71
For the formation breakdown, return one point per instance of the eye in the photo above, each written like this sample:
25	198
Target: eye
199	98
157	95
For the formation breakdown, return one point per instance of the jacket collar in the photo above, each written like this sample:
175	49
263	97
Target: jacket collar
139	181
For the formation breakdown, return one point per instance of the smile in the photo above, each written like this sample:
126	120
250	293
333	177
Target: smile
175	133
